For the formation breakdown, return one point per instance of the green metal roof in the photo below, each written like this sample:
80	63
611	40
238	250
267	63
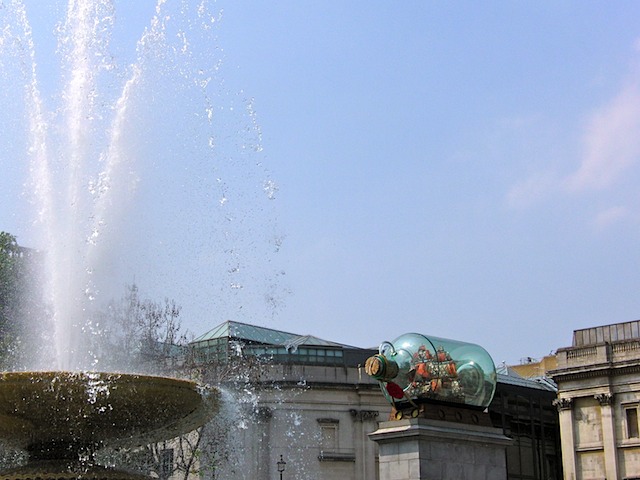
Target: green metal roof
263	335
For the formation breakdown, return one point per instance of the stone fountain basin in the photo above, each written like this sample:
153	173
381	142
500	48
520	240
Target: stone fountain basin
54	411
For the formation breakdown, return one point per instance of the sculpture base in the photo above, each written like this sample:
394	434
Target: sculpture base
426	449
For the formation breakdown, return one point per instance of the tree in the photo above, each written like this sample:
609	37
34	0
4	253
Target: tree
139	334
143	335
24	318
152	331
10	281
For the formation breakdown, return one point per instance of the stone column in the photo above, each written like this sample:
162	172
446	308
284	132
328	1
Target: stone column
364	420
266	456
567	440
608	434
425	449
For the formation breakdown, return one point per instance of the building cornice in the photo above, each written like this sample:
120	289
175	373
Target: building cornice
593	371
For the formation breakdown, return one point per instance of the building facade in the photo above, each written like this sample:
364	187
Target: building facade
598	380
308	401
296	397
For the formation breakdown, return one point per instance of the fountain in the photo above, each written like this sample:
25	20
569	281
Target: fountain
63	418
82	180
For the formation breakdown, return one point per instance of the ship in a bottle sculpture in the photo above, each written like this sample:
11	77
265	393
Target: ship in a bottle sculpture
415	369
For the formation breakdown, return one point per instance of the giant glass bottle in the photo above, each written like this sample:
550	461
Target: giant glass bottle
416	368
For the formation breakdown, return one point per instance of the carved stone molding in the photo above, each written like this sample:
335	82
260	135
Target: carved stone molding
328	421
604	398
563	403
362	415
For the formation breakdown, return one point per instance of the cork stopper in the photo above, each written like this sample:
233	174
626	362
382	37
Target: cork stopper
380	368
373	366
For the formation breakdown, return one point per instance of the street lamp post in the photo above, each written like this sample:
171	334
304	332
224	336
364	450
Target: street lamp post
281	465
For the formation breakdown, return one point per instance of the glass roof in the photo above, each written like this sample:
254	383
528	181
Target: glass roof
263	335
509	376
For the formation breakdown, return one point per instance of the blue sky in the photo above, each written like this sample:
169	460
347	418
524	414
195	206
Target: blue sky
465	170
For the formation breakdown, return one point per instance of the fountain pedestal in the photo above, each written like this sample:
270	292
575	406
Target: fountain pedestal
427	449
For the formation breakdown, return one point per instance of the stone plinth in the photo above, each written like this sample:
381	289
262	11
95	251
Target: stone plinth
424	449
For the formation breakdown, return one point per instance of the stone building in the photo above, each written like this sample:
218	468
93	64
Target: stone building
308	400
301	397
598	380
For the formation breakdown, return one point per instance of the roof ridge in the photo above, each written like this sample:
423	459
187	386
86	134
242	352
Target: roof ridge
261	327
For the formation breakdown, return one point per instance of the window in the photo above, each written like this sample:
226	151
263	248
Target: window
330	450
632	422
328	434
329	438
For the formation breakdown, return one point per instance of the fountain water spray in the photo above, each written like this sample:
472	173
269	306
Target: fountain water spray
81	178
100	223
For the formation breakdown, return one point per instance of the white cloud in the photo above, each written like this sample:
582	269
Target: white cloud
610	216
611	143
608	153
610	150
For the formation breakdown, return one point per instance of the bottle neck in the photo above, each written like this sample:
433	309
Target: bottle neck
381	368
